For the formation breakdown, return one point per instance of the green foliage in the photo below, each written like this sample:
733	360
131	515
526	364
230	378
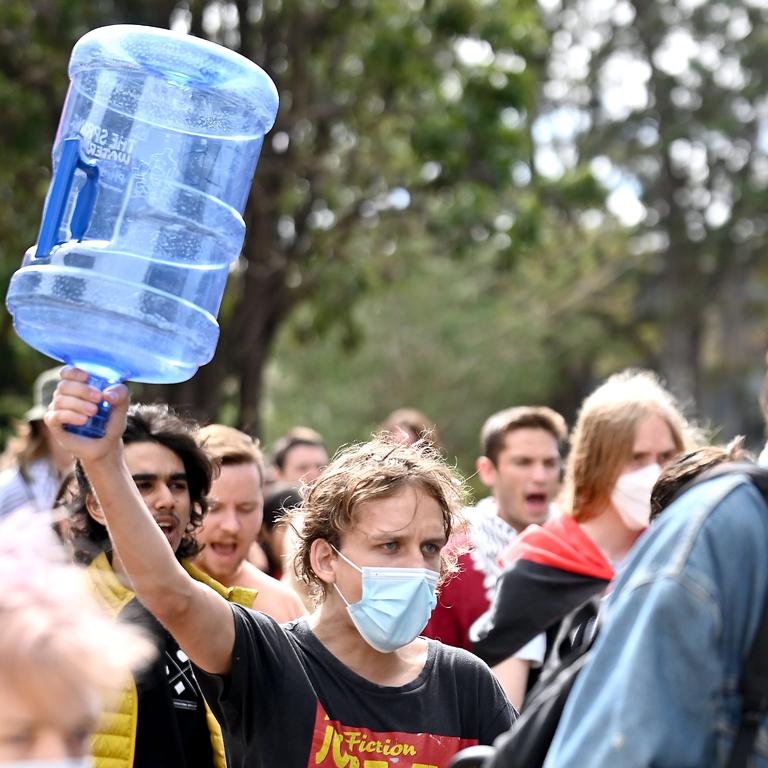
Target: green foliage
34	43
682	126
459	340
36	38
406	244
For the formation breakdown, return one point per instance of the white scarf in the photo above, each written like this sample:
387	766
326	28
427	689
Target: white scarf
489	536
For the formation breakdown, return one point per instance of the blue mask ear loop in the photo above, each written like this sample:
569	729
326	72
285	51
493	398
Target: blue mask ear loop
349	562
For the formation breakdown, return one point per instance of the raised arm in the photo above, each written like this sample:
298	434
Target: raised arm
200	620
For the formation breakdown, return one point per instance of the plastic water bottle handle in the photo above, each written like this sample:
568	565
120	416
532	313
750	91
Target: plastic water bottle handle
96	425
70	161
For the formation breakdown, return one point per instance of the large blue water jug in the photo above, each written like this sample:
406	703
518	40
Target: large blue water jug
153	161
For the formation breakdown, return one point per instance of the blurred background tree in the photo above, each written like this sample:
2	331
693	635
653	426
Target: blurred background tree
464	204
667	101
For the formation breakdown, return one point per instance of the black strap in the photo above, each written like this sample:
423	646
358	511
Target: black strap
754	695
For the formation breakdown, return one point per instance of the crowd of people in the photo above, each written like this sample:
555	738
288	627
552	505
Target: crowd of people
214	606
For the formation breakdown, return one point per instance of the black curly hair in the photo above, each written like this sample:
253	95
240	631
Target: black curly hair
148	424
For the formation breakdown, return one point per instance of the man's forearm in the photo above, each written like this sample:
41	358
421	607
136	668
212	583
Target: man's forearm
198	617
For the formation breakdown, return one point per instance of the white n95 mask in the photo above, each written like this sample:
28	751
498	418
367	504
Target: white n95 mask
632	496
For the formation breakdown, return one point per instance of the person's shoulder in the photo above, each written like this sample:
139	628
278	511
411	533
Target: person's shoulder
710	536
253	577
10	476
274	598
468	675
459	660
263	643
256	623
13	492
714	504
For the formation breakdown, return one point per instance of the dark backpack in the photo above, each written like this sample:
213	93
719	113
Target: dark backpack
527	742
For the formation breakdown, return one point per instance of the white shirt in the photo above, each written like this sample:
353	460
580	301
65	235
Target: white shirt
490	534
35	488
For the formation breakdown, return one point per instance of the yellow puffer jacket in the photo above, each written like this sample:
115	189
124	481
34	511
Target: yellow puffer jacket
115	739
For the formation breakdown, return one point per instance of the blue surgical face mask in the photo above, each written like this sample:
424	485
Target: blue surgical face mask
395	605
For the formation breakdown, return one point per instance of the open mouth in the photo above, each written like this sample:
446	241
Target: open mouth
223	549
167	525
536	500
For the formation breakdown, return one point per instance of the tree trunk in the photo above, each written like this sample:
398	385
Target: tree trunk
153	13
731	396
263	303
247	328
247	333
679	355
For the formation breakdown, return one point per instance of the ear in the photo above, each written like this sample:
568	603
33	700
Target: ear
323	560
486	470
94	509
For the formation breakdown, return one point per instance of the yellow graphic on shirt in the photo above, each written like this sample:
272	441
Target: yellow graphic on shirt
335	745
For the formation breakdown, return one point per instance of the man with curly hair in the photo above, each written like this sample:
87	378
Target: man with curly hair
353	684
162	720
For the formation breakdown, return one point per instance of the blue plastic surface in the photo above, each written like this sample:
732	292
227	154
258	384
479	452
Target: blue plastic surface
96	425
58	196
153	162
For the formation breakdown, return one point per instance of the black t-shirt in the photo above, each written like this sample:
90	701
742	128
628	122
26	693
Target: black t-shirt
289	702
172	728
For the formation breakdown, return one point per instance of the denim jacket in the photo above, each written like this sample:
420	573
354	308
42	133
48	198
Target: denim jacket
662	688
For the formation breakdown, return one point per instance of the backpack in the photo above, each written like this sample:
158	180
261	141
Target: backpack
526	743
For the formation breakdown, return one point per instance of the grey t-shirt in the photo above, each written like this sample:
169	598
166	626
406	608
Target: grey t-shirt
290	702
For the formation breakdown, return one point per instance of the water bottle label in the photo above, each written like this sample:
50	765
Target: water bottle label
105	144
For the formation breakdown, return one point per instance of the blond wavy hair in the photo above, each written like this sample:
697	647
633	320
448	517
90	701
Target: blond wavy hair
364	472
604	435
230	447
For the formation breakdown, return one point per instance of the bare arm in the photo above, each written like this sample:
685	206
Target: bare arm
512	674
200	620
